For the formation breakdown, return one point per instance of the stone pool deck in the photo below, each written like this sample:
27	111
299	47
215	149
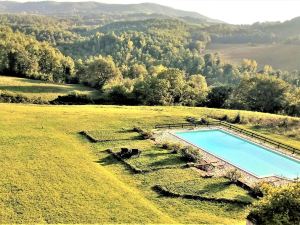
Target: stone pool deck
166	135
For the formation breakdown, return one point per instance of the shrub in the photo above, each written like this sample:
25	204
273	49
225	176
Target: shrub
190	154
166	145
147	134
233	175
174	147
225	118
280	206
203	121
191	119
137	129
237	119
258	189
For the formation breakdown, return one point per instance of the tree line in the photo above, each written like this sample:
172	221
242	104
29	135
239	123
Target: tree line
157	64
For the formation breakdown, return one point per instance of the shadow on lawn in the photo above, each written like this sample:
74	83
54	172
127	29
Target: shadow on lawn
169	161
108	160
36	89
215	187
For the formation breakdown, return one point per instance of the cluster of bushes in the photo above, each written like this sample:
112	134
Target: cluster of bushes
280	205
188	153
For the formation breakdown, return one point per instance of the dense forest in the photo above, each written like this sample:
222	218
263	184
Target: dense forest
151	59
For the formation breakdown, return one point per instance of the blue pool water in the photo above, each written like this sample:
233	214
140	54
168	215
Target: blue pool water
246	155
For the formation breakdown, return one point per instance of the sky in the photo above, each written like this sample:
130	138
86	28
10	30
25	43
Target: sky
230	11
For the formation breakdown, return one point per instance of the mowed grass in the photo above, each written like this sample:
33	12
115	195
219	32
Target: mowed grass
279	56
212	188
51	174
46	91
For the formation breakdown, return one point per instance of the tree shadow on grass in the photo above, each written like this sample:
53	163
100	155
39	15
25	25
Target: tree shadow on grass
108	160
215	187
36	89
243	198
156	154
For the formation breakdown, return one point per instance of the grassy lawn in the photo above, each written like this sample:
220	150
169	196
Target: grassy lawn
35	88
210	187
51	174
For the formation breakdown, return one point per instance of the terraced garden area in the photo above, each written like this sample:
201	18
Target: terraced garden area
52	174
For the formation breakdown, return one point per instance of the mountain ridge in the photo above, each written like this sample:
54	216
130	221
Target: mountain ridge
92	7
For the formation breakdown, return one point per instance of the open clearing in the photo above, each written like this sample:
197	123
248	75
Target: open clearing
279	56
51	174
46	91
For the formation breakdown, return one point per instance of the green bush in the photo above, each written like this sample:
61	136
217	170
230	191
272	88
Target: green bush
237	119
233	175
190	154
280	206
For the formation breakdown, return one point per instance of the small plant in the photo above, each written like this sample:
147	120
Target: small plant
147	134
190	154
137	129
237	119
257	190
165	145
191	119
203	121
175	148
233	175
224	118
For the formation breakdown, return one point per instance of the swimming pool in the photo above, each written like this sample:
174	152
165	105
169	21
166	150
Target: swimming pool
248	156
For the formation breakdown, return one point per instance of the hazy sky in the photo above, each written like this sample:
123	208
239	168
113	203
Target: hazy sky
231	11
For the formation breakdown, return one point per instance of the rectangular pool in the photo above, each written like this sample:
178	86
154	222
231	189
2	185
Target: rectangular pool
248	156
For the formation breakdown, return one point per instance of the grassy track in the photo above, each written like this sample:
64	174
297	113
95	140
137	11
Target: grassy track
279	56
36	88
50	174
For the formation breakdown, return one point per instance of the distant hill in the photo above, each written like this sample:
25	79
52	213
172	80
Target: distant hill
93	8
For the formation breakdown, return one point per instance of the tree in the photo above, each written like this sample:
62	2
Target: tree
195	91
293	107
152	91
260	93
249	66
218	96
280	206
99	71
138	71
176	80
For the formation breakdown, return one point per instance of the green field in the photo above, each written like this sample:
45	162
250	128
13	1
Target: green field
35	88
51	174
279	56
